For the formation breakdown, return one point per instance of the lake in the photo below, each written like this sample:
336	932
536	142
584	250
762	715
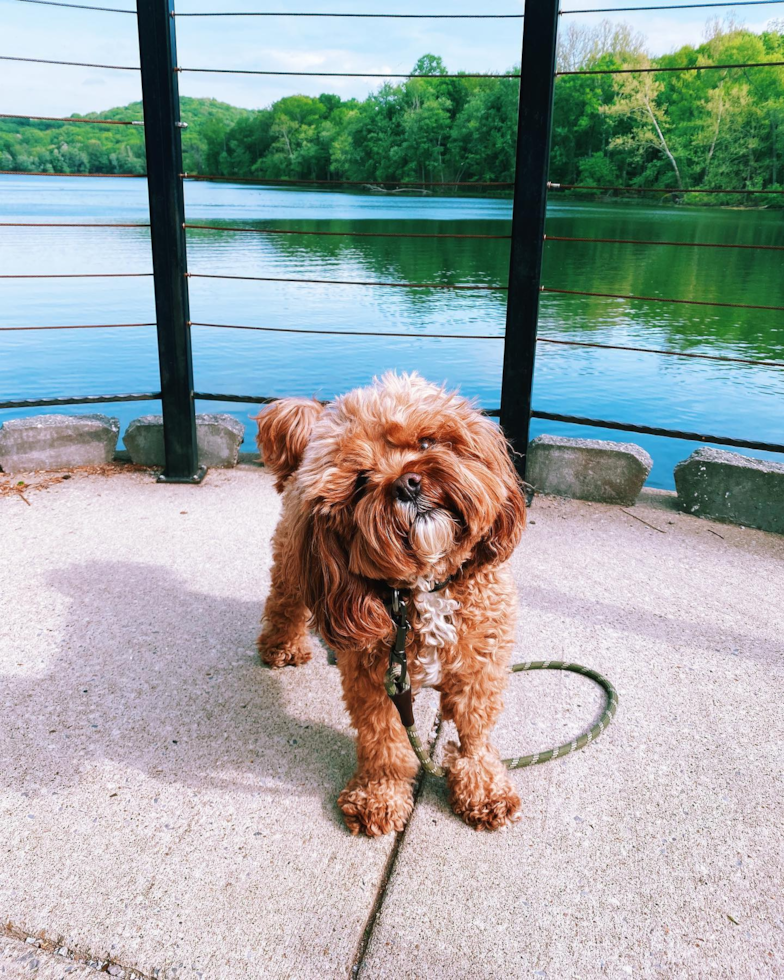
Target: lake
742	401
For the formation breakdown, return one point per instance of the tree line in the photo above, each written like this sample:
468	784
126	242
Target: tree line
710	129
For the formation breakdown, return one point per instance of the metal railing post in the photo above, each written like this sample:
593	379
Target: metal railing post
537	79
160	95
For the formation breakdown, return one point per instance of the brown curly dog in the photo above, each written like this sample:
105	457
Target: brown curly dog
400	484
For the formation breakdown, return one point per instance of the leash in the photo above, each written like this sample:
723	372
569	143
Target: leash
398	686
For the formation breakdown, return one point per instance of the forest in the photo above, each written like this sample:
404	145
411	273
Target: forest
708	129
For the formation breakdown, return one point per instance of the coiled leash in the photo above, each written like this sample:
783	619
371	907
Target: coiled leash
398	686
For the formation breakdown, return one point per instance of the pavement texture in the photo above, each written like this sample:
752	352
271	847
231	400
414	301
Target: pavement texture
167	805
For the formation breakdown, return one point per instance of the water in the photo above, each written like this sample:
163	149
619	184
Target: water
737	400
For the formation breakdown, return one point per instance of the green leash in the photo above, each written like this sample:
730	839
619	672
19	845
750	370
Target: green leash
398	687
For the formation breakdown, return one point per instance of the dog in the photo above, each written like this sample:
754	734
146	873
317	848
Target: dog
401	484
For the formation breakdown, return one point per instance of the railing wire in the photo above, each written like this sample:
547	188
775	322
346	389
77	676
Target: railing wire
662	299
335	181
68	224
671	6
78	6
640	241
659	190
55	173
80	326
341	234
73	64
653	69
348	282
67	119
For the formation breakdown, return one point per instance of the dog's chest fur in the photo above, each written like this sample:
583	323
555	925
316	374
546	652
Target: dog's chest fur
436	629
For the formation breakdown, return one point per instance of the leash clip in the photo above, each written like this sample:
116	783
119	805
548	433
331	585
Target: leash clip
396	679
397	683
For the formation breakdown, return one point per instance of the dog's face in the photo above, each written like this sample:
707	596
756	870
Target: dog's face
399	481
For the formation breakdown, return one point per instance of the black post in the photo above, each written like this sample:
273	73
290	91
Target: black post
160	94
537	79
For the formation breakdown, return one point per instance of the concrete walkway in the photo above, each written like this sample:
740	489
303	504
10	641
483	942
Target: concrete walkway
167	806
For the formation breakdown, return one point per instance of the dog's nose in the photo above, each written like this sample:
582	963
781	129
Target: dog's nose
407	486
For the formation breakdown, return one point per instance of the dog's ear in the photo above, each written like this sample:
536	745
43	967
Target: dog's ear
347	613
284	429
507	528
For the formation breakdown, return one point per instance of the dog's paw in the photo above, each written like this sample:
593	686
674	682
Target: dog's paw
292	653
376	807
480	790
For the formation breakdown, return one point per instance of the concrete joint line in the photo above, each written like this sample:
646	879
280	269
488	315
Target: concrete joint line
49	947
389	869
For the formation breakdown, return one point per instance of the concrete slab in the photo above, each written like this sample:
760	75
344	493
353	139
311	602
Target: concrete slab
218	438
732	488
53	442
167	805
588	469
658	851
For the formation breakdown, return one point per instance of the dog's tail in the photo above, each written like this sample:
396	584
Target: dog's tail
284	429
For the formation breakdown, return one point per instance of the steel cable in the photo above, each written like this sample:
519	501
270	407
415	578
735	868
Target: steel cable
66	119
52	173
659	190
347	282
76	275
351	234
279	13
328	74
671	6
459	336
351	333
635	241
73	64
654	350
81	326
662	299
654	69
349	183
653	430
80	400
66	224
78	6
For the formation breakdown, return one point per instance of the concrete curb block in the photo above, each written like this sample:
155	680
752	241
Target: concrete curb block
54	442
218	437
588	469
735	489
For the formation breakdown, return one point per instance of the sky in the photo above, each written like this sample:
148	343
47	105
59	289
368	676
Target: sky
290	44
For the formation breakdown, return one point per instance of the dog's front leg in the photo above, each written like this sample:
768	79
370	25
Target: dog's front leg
284	636
480	789
379	797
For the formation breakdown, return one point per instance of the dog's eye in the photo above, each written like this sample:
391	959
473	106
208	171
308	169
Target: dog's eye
361	482
426	443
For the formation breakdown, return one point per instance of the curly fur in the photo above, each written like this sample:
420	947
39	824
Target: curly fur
343	538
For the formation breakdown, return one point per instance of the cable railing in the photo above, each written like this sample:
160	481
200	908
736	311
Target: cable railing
75	275
467	287
183	226
340	181
79	326
344	234
672	6
71	119
419	16
62	173
72	224
69	64
413	335
78	6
